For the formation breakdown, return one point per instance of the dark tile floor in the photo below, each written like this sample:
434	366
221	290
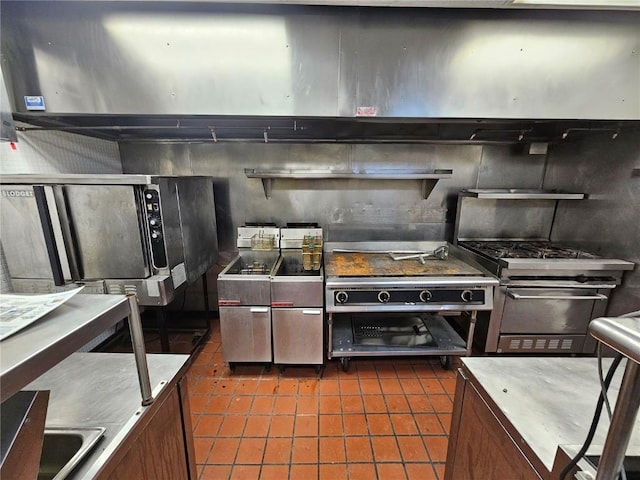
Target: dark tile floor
384	419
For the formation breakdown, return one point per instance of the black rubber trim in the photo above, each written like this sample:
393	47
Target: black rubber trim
47	230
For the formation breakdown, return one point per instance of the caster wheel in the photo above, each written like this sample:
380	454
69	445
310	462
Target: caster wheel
281	368
446	361
232	368
319	371
344	361
267	367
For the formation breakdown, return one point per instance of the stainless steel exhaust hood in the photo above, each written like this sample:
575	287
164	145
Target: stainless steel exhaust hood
213	71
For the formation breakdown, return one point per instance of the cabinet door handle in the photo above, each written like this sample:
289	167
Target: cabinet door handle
517	296
259	309
311	312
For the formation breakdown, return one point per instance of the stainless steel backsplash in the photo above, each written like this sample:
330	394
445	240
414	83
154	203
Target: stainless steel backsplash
608	222
347	210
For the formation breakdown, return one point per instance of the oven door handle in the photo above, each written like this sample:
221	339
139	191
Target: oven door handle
597	296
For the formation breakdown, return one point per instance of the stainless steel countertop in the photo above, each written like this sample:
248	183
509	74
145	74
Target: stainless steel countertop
548	401
101	390
32	351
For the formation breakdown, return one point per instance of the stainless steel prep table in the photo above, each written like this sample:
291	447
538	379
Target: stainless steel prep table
29	353
543	403
101	390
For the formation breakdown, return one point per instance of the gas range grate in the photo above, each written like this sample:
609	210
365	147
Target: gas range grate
533	249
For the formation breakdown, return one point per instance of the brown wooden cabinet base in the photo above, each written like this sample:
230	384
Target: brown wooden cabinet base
161	447
480	448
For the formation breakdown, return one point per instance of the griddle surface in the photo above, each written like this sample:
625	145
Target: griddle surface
340	264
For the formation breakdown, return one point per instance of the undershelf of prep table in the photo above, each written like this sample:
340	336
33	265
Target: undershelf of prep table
448	341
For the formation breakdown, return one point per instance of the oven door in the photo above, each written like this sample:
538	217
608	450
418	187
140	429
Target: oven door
106	231
29	234
541	310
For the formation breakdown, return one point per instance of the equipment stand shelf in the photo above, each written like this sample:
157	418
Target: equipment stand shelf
446	341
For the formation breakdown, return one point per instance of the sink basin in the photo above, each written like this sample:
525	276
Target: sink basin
63	449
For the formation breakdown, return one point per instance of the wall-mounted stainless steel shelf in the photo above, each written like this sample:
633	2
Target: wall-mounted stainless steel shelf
429	177
31	352
521	194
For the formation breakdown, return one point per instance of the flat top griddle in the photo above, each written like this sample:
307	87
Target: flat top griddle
360	264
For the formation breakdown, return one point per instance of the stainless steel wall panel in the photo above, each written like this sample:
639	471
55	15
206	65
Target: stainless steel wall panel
394	210
489	64
200	58
348	75
348	210
313	64
59	152
487	219
504	167
174	59
608	221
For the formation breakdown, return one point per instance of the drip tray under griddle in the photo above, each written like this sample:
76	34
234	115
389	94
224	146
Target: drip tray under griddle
398	332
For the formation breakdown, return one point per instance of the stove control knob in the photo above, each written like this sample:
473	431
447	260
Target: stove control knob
383	296
342	297
466	295
425	296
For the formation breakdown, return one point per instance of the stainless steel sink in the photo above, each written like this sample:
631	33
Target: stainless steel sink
63	449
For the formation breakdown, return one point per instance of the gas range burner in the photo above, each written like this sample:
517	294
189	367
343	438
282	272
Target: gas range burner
533	249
